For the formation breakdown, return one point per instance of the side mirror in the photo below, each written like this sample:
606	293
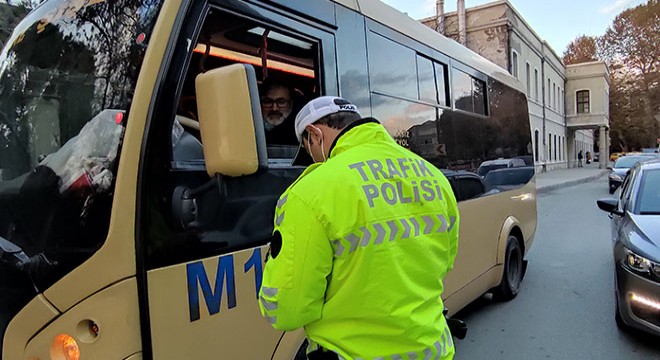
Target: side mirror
230	121
609	205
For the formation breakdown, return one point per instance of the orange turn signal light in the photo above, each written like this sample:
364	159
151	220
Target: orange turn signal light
64	347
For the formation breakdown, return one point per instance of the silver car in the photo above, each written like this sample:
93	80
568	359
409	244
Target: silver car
635	215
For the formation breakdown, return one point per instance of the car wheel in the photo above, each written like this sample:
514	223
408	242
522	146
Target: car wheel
513	272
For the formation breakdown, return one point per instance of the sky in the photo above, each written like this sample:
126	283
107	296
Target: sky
558	22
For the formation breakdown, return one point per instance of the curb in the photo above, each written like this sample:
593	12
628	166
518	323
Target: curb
552	187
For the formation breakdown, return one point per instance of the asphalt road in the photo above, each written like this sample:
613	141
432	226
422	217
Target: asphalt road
565	309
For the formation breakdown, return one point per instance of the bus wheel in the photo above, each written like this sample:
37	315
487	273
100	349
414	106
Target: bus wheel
302	352
513	272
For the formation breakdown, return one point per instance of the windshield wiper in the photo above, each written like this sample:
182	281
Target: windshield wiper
649	212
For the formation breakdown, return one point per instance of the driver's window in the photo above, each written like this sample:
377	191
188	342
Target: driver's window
225	214
287	73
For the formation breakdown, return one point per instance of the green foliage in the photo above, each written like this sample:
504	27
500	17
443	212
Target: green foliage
631	48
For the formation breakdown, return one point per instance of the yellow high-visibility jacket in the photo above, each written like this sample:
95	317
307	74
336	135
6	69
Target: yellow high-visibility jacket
363	242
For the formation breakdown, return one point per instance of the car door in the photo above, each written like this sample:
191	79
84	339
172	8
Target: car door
204	240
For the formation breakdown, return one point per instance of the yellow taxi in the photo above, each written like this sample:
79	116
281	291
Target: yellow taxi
616	155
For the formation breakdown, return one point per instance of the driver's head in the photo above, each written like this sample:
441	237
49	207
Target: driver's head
276	104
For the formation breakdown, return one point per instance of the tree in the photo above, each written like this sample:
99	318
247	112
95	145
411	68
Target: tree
631	128
631	46
582	49
11	12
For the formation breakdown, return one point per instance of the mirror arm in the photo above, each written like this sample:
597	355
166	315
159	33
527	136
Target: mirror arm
12	255
185	208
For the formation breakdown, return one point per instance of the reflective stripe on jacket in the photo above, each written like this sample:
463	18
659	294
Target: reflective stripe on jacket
366	239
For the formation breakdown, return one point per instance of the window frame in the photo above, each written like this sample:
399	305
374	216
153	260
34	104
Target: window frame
583	102
536	84
475	75
528	75
514	64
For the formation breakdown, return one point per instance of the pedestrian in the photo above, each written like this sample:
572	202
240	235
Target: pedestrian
362	242
587	157
580	158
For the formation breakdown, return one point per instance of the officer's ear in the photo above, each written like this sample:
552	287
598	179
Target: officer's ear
313	134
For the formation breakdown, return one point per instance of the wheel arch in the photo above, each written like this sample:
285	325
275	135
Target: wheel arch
511	226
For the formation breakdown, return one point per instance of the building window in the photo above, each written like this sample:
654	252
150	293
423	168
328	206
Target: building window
548	92
528	76
536	84
514	64
549	147
536	145
554	96
555	153
582	98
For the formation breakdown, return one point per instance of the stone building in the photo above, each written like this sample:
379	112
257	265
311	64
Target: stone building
568	105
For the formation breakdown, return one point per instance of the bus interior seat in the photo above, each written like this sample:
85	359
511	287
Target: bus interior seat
186	146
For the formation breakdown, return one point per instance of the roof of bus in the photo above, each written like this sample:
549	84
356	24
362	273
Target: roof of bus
390	17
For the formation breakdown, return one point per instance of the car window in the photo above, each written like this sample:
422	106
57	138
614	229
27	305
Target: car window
629	161
626	189
648	196
469	188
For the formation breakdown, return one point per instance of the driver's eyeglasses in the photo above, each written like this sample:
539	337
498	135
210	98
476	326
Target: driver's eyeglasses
281	102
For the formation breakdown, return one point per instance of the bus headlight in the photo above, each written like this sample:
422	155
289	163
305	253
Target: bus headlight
64	347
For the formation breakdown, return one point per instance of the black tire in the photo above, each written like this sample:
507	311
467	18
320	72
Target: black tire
513	272
302	352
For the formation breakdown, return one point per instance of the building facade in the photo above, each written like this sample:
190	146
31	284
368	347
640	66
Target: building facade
568	105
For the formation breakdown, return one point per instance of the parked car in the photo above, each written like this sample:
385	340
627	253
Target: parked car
501	163
621	166
466	185
616	155
509	177
635	215
596	157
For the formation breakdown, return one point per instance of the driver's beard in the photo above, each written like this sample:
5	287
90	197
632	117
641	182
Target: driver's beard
276	118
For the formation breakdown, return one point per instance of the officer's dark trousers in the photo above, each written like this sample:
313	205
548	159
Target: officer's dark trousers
322	354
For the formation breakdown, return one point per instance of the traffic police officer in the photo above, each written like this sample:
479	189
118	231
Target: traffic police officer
362	241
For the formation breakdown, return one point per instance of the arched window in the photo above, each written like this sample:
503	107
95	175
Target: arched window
514	64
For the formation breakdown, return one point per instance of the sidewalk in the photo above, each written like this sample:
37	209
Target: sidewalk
555	179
